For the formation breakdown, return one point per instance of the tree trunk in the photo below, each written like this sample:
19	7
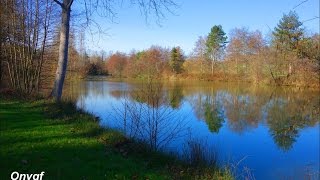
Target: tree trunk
213	59
212	67
63	50
1	57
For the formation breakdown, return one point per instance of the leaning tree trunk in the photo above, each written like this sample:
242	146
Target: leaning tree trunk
63	50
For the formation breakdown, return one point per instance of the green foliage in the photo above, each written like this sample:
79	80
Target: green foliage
176	60
286	38
288	32
216	42
213	118
140	55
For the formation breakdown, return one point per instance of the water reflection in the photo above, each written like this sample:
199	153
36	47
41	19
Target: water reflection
208	109
285	112
213	117
235	114
175	96
288	116
243	111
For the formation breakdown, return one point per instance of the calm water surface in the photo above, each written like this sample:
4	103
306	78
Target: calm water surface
272	131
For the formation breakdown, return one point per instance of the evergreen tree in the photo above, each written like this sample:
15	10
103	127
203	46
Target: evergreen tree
216	43
288	32
286	38
176	60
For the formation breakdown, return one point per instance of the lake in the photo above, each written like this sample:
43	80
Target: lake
272	132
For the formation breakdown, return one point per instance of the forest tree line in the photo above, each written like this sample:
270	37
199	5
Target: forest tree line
30	43
289	56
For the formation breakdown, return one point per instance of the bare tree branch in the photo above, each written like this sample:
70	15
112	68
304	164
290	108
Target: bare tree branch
316	17
300	4
70	3
58	2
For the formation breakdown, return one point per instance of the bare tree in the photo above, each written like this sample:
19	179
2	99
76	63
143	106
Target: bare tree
199	52
25	26
157	7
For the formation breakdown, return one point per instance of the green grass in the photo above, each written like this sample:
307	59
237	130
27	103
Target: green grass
69	144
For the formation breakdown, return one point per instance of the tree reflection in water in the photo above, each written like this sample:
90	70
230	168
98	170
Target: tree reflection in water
286	119
213	118
175	95
146	115
285	111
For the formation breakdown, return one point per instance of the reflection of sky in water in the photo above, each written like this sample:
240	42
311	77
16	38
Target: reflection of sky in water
238	137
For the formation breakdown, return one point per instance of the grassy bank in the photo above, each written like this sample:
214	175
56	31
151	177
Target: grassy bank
69	144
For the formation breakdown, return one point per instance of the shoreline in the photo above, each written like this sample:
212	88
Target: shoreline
59	138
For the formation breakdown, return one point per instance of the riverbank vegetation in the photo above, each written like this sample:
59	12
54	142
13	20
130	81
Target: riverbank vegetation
289	55
67	143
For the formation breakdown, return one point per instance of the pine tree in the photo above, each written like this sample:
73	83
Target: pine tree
215	43
286	38
288	32
176	60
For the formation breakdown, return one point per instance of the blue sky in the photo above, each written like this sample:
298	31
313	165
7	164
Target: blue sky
193	19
